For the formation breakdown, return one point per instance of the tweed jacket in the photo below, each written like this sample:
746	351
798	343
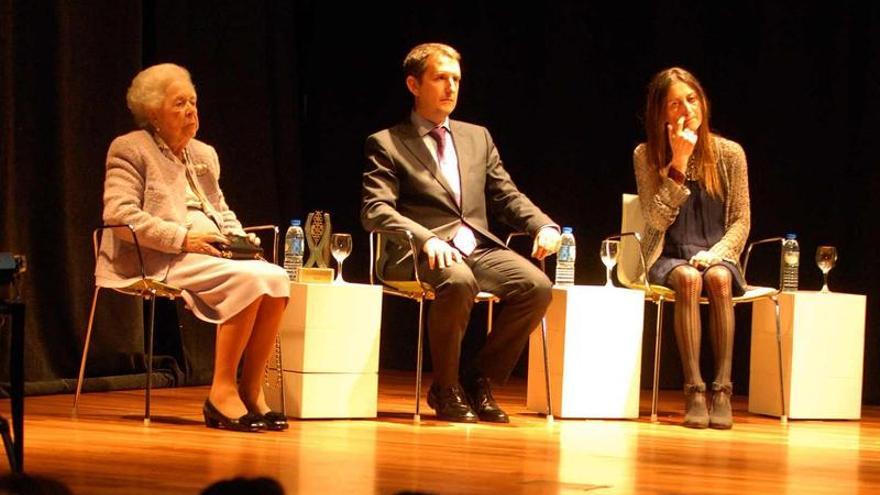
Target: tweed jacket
403	187
146	188
660	198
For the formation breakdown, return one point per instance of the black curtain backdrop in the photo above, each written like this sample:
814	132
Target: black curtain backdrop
288	91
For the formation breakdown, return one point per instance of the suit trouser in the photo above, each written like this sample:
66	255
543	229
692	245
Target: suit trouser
525	294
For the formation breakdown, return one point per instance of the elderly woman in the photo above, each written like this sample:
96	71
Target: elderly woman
165	183
694	193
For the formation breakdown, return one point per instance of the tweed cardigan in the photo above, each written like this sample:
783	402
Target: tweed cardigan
660	198
146	188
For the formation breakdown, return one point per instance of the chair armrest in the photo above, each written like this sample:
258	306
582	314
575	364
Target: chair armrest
264	228
375	243
513	235
137	245
768	240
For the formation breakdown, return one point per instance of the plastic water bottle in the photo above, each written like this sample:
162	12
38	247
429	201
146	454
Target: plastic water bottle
565	258
791	254
294	248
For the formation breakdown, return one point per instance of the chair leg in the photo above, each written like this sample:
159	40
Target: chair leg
149	359
82	364
280	364
489	317
417	417
783	417
9	445
657	341
545	345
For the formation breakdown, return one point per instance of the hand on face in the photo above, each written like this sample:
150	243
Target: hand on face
684	115
440	254
682	141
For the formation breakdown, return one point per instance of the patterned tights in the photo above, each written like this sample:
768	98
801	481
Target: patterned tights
688	283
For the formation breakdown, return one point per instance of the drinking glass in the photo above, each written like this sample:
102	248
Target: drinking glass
826	257
608	252
340	247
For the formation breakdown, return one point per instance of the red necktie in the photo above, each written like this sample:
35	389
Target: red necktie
439	135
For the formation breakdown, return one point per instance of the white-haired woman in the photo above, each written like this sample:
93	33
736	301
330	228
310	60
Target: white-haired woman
165	183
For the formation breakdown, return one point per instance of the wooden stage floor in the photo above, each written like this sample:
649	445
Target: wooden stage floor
107	449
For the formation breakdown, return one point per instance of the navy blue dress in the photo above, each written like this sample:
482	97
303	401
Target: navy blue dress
698	227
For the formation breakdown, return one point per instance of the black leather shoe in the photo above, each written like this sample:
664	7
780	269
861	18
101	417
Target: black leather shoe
250	422
450	404
479	392
275	421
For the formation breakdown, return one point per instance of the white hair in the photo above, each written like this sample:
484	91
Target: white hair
147	90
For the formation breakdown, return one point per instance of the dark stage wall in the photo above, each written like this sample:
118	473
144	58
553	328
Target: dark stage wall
288	91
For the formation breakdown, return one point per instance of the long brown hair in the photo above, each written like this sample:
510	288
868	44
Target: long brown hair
658	152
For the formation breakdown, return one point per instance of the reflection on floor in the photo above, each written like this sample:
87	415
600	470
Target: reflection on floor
107	449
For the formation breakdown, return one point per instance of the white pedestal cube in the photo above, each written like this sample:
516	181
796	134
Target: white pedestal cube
595	346
330	351
823	341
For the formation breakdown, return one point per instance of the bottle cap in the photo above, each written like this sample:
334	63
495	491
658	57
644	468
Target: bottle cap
296	222
567	230
791	235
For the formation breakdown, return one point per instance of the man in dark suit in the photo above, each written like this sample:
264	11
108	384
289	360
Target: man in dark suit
438	178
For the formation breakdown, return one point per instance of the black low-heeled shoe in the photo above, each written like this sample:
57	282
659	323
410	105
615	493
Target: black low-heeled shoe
250	422
275	421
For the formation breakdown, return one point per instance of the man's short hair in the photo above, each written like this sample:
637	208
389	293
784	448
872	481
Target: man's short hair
416	61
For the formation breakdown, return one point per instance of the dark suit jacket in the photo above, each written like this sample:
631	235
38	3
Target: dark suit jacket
403	187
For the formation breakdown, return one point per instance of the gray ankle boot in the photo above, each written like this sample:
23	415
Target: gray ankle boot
696	414
721	417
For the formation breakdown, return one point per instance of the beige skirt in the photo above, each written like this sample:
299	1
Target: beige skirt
216	289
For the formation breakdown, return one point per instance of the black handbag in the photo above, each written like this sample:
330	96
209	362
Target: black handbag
240	247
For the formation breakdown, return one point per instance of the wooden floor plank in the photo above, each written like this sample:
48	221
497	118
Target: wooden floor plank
107	449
